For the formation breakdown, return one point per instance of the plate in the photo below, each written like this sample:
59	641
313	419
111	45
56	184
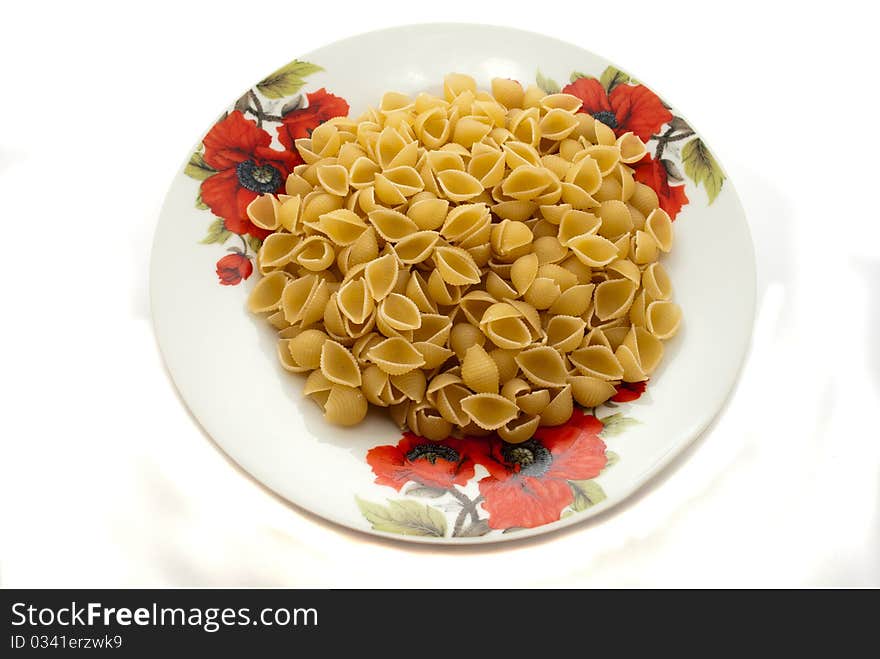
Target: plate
371	478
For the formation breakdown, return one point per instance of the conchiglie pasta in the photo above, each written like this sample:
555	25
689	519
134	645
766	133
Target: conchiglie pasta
476	263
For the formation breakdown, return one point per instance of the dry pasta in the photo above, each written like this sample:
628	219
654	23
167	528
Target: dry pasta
475	263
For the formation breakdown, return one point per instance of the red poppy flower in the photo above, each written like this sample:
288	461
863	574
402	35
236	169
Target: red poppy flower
653	174
628	108
246	167
629	391
232	268
435	464
300	123
528	482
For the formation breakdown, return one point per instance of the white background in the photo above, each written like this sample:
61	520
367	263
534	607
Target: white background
106	479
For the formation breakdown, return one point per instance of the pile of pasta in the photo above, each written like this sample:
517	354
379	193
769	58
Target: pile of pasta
475	263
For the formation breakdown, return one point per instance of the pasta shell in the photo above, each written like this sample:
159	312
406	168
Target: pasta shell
520	154
288	362
296	185
505	362
613	298
442	160
427	422
507	92
341	226
564	278
523	272
411	384
316	203
589	391
646	348
442	292
594	251
565	333
315	253
543	293
470	129
559	409
354	301
399	312
663	319
631	148
416	247
488	167
626	269
508	333
459	186
616	219
277	250
479	371
573	301
644	248
333	178
585	174
380	276
656	282
659	226
519	430
557	124
428	214
548	248
498	287
533	403
644	199
345	406
263	212
360	347
542	366
391	224
433	354
393	186
510	239
526	182
597	361
376	386
611	189
489	411
395	356
317	387
338	364
462	336
464	220
474	305
305	348
266	295
606	156
456	266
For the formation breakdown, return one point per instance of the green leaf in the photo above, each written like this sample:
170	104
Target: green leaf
200	204
217	233
612	77
254	243
615	424
577	75
287	80
425	491
702	168
404	517
478	528
197	168
612	459
547	84
586	494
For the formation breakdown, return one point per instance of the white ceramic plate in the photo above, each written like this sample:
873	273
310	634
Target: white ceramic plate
223	360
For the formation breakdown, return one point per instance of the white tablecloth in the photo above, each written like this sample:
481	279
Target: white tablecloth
107	480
